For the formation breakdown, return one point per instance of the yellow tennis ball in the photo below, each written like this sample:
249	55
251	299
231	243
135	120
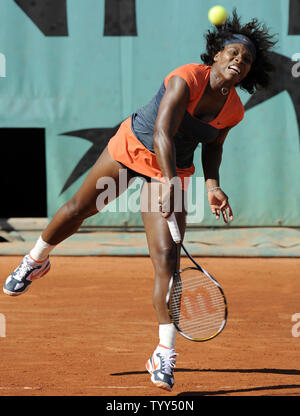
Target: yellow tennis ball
217	15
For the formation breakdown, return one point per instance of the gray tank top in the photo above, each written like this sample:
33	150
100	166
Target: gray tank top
191	131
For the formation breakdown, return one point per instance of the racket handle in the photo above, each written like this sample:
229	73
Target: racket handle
173	227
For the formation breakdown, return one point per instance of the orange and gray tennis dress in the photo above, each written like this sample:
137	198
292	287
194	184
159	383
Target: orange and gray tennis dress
133	143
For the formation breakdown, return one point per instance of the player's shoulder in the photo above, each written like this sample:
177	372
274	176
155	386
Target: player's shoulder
195	69
194	74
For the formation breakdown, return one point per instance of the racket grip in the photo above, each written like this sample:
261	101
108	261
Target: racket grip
173	227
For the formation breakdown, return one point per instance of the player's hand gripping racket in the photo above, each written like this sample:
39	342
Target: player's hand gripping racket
196	302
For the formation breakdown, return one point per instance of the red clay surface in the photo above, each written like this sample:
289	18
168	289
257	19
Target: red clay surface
88	327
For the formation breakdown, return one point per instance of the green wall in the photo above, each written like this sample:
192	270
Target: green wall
88	80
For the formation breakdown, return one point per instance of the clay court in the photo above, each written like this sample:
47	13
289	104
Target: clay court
88	327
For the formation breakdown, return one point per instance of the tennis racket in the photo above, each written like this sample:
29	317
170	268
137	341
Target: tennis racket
196	302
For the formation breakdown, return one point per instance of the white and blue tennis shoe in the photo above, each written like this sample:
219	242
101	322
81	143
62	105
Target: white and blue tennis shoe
161	366
22	277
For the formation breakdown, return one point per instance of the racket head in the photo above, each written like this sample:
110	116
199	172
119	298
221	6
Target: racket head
197	304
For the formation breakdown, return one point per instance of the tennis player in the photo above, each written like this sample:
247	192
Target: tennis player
196	103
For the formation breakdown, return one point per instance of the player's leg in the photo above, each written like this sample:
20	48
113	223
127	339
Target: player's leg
87	200
100	187
162	251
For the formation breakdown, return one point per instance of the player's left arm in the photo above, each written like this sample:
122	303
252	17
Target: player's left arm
211	161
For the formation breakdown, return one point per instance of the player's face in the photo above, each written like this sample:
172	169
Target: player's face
234	62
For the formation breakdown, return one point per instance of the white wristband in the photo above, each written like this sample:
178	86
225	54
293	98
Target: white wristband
213	189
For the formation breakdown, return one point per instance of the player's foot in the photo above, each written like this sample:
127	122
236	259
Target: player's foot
20	280
161	366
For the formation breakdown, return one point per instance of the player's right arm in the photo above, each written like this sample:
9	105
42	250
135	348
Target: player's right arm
170	114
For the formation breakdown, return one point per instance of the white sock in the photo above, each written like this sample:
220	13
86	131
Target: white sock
40	251
167	335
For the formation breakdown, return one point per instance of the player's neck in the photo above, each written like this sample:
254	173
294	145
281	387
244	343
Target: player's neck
218	85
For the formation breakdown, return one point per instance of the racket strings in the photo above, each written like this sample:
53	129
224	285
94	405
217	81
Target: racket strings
197	305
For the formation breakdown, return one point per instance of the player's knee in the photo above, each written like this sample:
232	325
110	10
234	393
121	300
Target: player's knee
76	210
165	260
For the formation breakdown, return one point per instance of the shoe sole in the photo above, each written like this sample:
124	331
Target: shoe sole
159	384
9	293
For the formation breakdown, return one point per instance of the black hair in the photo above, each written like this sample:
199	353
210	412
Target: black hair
258	33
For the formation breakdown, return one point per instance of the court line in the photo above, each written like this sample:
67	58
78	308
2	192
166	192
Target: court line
57	387
116	387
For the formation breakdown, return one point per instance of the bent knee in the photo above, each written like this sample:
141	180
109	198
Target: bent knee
77	209
165	260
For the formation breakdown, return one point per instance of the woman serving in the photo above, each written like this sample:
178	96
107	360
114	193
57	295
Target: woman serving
196	103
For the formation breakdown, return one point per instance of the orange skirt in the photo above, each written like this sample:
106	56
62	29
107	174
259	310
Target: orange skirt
124	147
